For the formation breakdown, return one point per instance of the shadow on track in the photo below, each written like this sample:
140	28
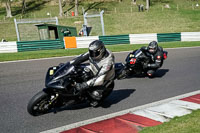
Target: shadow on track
115	97
158	74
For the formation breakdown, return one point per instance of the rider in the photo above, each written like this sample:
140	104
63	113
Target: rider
155	55
101	63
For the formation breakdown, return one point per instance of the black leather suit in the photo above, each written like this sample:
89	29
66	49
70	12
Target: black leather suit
155	60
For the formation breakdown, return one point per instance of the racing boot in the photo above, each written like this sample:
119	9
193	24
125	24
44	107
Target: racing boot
94	104
150	73
96	97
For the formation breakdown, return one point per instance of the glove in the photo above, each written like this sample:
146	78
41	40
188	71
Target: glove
81	86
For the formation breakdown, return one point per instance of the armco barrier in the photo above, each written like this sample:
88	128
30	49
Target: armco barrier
142	38
39	45
115	39
190	36
83	42
8	47
168	37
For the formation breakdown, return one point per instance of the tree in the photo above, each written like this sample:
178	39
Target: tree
60	8
23	6
8	8
147	4
76	7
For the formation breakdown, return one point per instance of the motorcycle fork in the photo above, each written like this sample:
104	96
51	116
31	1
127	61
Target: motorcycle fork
53	98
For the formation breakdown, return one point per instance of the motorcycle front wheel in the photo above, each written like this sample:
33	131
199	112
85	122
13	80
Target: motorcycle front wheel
40	104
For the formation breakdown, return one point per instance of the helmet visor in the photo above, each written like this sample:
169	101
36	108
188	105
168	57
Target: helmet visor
94	53
152	50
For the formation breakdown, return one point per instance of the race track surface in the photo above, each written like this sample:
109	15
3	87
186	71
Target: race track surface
19	81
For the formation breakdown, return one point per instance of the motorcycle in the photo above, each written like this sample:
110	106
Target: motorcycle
134	65
60	89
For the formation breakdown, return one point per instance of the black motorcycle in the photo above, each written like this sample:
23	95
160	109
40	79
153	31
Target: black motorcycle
134	63
60	89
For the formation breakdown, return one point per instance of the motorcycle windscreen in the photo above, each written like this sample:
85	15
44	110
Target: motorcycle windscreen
63	71
57	74
132	55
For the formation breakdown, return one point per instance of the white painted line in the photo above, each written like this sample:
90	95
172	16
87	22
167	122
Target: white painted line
169	110
131	110
77	55
185	104
159	115
151	115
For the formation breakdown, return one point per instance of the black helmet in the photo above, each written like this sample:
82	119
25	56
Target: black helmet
153	46
97	50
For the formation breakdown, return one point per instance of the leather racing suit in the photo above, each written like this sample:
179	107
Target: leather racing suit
155	60
103	70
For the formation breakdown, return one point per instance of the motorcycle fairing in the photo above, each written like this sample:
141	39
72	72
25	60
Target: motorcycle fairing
55	77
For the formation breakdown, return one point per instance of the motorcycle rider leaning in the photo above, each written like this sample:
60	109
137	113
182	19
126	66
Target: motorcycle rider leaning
155	55
101	63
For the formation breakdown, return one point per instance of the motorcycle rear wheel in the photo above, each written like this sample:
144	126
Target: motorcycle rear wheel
39	104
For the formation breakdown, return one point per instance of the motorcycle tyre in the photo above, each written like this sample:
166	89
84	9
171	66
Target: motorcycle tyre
37	99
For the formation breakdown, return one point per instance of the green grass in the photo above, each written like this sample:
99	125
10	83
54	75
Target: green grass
119	18
40	54
185	124
69	52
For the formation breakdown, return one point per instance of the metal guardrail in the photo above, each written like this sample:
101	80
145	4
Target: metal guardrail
39	45
115	39
83	42
168	37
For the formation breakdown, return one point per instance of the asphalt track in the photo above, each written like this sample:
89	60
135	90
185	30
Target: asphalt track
19	81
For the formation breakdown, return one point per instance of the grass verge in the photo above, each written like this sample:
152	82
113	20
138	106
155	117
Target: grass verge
70	52
186	124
